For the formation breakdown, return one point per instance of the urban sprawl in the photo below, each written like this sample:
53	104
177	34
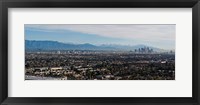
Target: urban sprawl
140	64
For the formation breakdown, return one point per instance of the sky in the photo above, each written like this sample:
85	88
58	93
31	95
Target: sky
155	35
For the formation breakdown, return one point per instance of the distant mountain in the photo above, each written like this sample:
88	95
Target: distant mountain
55	45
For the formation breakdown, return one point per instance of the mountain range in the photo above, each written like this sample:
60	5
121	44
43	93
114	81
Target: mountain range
55	45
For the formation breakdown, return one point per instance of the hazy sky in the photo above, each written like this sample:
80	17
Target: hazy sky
161	36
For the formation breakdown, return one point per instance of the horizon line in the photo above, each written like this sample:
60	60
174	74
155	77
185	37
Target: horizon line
102	44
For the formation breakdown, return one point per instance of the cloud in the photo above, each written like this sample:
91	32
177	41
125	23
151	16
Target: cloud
125	31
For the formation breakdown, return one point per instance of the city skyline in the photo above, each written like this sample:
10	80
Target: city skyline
160	36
